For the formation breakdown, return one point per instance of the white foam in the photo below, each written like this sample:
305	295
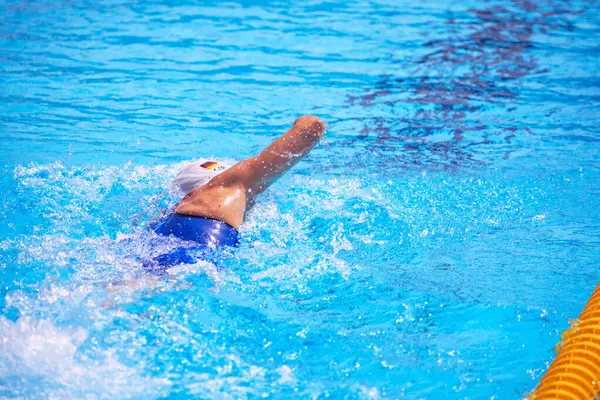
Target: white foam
31	349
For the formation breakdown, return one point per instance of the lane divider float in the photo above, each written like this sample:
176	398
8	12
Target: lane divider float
575	372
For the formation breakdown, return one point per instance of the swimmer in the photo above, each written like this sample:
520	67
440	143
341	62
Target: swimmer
218	197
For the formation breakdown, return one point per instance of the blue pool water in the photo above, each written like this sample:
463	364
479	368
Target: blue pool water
433	246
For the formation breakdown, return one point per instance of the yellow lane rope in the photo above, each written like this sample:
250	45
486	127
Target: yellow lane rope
575	372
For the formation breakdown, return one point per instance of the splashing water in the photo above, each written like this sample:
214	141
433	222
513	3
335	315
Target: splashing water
434	246
371	276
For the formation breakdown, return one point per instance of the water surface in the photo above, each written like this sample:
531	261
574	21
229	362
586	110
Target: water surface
433	246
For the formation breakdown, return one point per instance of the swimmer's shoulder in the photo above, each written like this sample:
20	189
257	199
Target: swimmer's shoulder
216	201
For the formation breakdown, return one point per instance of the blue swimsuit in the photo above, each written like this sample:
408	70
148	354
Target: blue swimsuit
205	233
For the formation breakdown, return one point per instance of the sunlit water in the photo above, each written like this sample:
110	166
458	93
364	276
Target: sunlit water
433	246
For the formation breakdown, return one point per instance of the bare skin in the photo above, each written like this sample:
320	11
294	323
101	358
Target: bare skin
229	195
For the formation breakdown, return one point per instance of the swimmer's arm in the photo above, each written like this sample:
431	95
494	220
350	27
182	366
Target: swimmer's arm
256	174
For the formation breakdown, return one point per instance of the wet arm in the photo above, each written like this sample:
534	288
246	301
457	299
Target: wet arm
256	174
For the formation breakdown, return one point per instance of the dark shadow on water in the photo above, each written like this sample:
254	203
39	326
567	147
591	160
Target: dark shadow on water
474	70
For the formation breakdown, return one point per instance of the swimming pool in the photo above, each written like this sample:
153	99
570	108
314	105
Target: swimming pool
433	246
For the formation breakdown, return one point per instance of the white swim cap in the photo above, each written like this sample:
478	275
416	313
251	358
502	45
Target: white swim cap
197	173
